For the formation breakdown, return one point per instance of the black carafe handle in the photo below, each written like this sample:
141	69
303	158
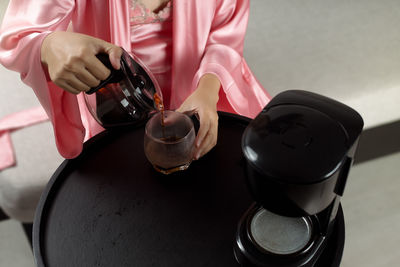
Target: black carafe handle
115	76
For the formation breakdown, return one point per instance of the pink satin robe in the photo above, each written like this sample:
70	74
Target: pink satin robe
207	38
151	33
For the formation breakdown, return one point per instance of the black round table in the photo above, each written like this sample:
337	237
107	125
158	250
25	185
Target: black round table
109	207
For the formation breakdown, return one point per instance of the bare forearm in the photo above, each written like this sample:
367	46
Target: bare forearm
210	84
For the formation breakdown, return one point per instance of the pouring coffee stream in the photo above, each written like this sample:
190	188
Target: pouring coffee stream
160	107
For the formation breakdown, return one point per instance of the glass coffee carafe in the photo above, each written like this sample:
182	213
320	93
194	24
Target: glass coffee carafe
126	97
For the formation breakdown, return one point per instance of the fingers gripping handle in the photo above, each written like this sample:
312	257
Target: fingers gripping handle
114	77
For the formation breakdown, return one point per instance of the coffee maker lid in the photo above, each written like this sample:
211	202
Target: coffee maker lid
300	137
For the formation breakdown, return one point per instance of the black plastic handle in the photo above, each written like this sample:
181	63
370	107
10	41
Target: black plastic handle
114	77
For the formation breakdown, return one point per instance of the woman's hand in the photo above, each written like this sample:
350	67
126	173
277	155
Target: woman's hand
203	103
72	63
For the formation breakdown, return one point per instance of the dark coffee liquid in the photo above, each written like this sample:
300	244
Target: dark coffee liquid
171	138
160	107
158	101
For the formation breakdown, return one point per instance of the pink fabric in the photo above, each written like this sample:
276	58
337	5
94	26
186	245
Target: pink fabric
14	122
213	35
207	38
25	25
149	35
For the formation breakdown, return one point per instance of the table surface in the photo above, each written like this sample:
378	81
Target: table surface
109	207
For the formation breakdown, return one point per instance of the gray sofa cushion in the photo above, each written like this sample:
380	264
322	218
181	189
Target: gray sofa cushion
35	152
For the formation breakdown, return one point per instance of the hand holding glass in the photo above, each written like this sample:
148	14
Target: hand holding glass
169	144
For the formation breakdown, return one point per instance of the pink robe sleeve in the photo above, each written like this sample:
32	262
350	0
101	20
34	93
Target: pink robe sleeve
223	57
25	25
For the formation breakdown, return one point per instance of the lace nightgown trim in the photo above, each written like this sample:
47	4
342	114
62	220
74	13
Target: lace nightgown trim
140	14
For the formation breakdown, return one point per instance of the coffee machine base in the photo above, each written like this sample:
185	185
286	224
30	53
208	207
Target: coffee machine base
330	254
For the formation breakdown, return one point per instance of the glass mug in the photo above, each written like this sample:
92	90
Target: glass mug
169	141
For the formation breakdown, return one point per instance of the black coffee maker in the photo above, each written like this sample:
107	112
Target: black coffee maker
298	153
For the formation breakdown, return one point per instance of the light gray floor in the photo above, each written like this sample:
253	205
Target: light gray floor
371	206
344	49
14	247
